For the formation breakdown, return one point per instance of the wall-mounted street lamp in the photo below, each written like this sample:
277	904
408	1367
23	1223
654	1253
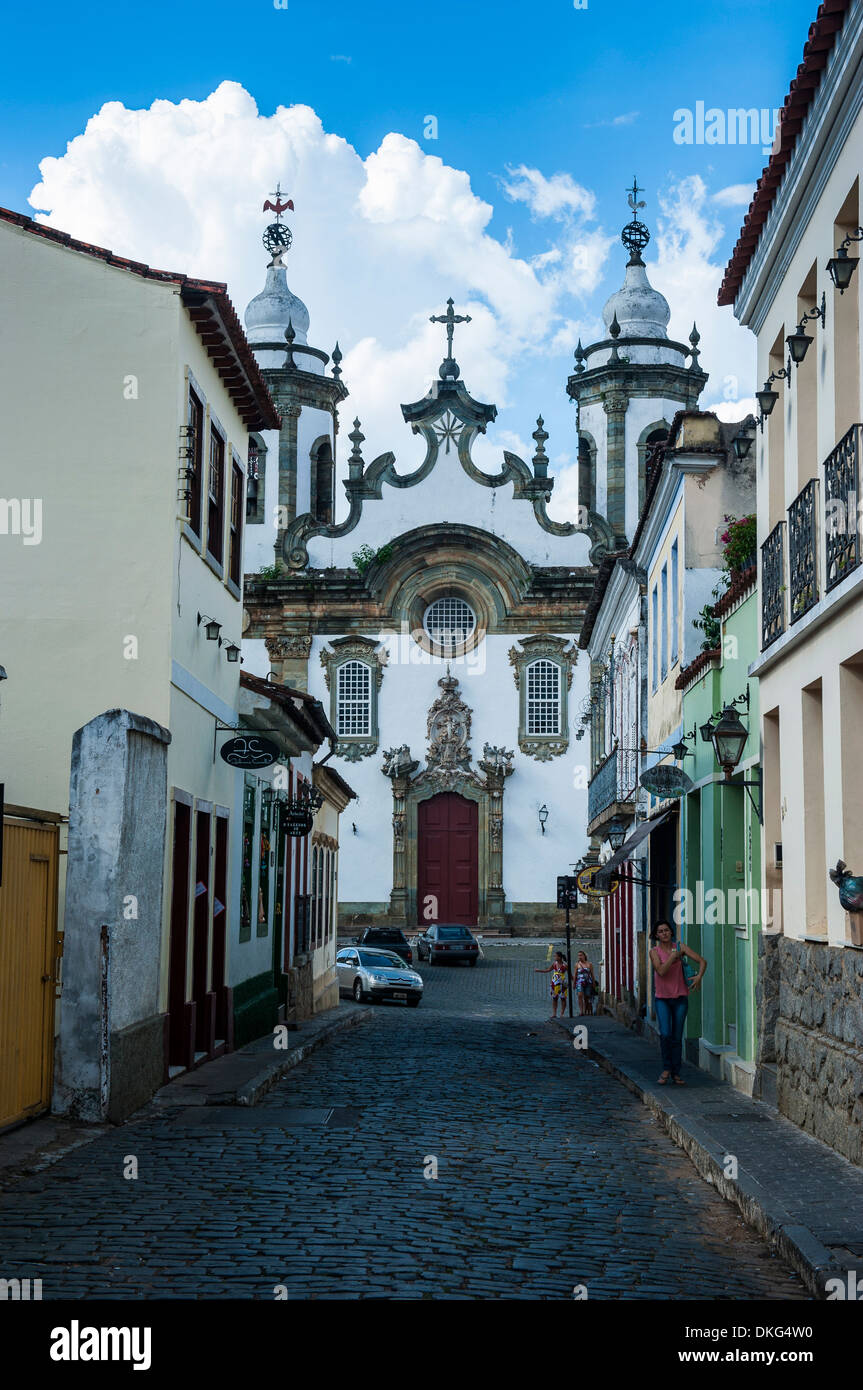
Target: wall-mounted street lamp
798	342
543	817
767	397
211	627
232	651
742	444
679	751
841	267
615	833
728	736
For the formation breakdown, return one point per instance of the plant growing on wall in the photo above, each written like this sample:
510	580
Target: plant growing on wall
710	625
738	540
270	572
365	557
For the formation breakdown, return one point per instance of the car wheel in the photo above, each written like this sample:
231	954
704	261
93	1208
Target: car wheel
359	992
414	1003
472	960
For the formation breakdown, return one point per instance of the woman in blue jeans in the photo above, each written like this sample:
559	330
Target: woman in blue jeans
672	996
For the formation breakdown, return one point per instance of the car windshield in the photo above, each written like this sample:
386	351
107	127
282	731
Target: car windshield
384	936
381	960
446	933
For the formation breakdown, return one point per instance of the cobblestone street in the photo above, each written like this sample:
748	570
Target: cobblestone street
549	1175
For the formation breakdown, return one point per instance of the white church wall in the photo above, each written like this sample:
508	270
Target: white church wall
531	860
449	495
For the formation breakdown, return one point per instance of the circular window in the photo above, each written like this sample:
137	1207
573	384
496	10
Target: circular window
450	623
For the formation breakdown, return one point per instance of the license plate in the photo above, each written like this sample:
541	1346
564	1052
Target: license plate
399	994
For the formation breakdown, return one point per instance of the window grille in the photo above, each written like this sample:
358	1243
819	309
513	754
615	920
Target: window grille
543	697
449	622
354	700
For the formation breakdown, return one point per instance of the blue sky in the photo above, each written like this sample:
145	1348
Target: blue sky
587	94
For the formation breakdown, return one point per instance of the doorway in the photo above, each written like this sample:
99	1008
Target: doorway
448	859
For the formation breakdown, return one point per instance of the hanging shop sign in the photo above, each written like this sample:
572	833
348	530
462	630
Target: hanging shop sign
665	781
296	818
589	889
250	750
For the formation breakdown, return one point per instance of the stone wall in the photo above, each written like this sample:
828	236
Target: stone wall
819	1042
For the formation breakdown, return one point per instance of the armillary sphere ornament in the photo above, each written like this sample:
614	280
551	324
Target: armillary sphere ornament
277	239
635	235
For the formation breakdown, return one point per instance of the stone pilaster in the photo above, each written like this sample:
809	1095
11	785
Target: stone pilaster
289	659
615	405
399	894
287	470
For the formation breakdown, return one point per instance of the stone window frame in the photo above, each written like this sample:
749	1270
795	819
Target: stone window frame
372	654
563	654
643	448
443	585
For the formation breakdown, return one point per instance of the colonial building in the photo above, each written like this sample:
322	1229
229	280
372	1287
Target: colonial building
629	387
122	658
792	280
436	616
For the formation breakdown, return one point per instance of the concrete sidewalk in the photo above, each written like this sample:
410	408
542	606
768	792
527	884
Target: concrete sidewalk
244	1076
794	1190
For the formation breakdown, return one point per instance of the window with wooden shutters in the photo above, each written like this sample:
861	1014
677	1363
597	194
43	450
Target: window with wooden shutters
195	420
354	700
216	497
543	697
235	544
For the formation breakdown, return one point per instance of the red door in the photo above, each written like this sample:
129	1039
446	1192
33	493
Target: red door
448	859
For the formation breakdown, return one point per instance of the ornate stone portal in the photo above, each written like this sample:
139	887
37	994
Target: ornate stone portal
448	769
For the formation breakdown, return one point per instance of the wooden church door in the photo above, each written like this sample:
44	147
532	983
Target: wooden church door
447	859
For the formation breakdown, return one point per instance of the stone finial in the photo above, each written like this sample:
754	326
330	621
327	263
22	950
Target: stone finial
540	458
337	358
580	355
290	335
614	327
355	458
695	339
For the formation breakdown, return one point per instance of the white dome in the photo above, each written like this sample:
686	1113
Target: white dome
269	313
642	311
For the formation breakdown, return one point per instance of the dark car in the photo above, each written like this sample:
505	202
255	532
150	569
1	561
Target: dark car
447	941
387	939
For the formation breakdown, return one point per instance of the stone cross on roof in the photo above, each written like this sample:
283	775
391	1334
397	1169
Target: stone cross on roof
449	366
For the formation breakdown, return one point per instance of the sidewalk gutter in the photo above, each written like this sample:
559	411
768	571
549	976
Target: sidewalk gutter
244	1076
822	1238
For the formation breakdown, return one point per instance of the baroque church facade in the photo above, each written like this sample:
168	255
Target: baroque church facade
437	614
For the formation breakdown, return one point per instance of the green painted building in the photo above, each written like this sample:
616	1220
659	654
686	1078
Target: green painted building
720	911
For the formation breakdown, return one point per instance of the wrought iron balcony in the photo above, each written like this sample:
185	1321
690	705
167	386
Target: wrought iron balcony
773	586
803	550
842	471
613	782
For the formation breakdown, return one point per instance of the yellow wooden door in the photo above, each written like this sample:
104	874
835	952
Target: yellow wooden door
29	951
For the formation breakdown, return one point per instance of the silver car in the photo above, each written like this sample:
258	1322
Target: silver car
376	974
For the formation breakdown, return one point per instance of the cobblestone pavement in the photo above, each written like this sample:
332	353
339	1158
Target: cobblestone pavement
550	1175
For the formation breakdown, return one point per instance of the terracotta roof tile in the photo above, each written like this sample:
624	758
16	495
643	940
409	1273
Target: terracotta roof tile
819	44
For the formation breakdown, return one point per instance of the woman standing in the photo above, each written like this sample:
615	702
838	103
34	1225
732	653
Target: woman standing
585	984
672	996
559	973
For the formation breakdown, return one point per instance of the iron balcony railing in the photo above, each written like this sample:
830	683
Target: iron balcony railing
803	550
773	586
841	508
614	781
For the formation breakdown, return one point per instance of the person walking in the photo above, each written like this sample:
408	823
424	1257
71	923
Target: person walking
559	981
585	984
672	996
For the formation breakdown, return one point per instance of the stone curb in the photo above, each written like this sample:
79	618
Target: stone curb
797	1244
257	1086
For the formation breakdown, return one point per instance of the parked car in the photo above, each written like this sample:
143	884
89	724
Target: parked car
376	975
387	939
447	941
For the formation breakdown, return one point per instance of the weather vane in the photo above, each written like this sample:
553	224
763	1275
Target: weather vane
449	366
635	235
277	238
